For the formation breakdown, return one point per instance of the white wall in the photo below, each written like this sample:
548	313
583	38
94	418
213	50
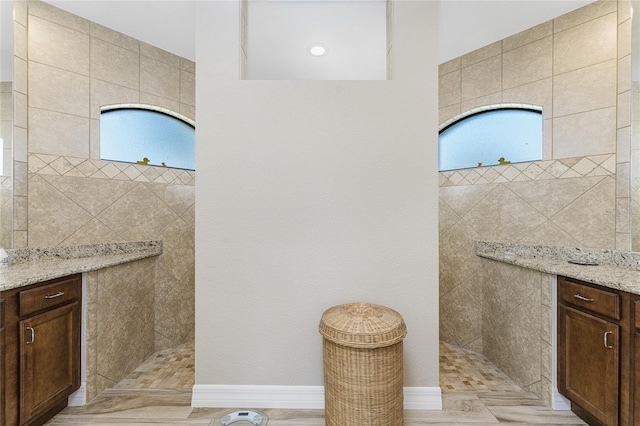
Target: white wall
312	194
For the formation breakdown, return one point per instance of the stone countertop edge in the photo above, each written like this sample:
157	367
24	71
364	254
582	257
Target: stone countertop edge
32	266
614	270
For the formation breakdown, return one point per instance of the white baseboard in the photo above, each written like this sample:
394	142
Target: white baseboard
297	397
249	396
79	397
559	402
423	398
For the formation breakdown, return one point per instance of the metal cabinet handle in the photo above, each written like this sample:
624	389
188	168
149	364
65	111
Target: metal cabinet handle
584	299
606	342
33	335
53	296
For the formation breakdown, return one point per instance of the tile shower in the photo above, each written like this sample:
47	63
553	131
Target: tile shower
66	67
577	196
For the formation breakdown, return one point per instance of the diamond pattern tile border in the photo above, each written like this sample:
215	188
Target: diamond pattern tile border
44	164
598	165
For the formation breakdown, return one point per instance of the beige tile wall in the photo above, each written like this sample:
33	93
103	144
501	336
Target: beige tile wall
69	196
121	302
6	181
575	68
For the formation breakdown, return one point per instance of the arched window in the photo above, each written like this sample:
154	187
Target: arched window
149	135
491	136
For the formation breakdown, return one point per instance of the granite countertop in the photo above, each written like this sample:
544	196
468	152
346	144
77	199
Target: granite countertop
30	266
609	268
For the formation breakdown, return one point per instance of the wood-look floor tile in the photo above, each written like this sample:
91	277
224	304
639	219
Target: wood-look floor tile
534	415
503	399
462	408
165	403
61	420
475	393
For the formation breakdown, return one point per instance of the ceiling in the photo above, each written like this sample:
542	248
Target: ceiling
465	25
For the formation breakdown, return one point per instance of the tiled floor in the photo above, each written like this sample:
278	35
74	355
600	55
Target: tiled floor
158	393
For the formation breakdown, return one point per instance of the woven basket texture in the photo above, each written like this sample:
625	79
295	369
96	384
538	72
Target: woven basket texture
363	367
362	325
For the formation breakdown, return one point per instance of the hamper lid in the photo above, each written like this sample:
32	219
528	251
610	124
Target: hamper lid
362	325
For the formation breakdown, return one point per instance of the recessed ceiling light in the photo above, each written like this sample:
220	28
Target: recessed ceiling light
317	49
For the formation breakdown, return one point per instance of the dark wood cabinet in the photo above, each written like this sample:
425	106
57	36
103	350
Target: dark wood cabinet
596	352
588	362
2	351
598	349
49	358
42	350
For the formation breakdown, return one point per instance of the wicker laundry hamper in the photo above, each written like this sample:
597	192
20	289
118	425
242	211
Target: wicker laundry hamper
362	351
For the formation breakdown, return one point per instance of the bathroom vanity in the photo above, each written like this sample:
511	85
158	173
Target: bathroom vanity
41	325
596	312
595	335
41	353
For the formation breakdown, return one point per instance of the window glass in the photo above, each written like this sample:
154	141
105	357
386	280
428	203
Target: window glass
133	135
511	134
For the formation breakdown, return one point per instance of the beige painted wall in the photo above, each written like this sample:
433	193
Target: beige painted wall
323	192
67	67
577	68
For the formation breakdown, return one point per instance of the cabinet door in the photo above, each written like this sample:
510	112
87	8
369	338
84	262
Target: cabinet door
2	352
49	357
588	363
636	378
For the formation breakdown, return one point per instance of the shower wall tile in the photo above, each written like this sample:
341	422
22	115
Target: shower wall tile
146	98
187	65
114	37
458	261
591	218
449	66
482	78
588	88
20	110
115	64
463	317
160	55
624	39
584	134
584	14
538	93
125	321
159	78
188	111
52	132
446	113
624	109
512	322
492	99
587	44
20	80
58	46
58	90
104	93
449	89
187	88
52	216
529	63
481	54
528	36
61	17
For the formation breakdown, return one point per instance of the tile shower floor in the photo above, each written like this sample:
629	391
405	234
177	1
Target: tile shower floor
159	393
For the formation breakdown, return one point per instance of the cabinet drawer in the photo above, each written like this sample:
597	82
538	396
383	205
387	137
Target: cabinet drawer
49	295
595	300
